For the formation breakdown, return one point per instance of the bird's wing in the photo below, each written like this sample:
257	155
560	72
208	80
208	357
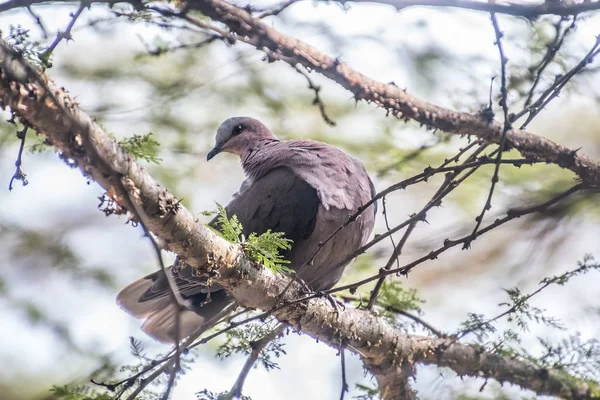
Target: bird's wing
279	201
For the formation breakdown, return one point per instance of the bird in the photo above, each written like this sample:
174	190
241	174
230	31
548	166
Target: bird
304	189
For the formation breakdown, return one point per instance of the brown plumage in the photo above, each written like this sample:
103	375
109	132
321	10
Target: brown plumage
303	188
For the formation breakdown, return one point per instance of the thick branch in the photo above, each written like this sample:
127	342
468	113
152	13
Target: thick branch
394	381
390	97
522	9
51	111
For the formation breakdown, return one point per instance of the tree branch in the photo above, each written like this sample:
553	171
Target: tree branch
523	9
257	348
398	102
52	112
388	96
394	382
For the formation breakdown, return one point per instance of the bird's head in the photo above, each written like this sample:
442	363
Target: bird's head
239	134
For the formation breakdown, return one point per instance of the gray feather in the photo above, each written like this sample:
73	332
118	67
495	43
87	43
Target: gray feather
303	188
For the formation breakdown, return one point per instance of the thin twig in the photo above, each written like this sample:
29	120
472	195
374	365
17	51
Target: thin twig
257	348
551	51
145	382
342	354
173	290
66	34
445	189
395	310
19	174
172	375
186	346
418	320
387	226
530	10
448	244
317	100
554	90
38	21
423	177
409	157
522	300
394	257
520	9
277	9
506	128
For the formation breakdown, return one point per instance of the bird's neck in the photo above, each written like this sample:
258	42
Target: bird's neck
252	156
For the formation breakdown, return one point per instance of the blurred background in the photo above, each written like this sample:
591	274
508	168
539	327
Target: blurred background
63	261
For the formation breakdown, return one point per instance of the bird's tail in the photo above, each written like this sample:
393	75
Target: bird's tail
160	313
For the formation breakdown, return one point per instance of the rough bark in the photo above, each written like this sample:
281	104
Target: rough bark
51	111
389	96
529	10
517	9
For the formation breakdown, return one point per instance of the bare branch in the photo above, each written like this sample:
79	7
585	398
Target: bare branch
45	107
448	244
551	51
317	100
522	9
257	348
507	126
554	90
38	21
445	189
245	27
19	175
176	297
393	381
277	9
66	35
342	354
148	380
388	96
518	9
395	310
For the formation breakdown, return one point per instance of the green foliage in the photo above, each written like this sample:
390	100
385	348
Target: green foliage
479	325
522	312
264	249
67	392
367	393
39	146
498	396
136	348
573	355
43	244
242	341
229	229
208	395
394	296
142	147
588	264
519	309
579	359
21	41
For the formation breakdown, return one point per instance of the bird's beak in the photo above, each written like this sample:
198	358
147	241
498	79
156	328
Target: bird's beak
216	150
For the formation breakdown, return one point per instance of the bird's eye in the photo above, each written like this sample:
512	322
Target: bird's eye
238	129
